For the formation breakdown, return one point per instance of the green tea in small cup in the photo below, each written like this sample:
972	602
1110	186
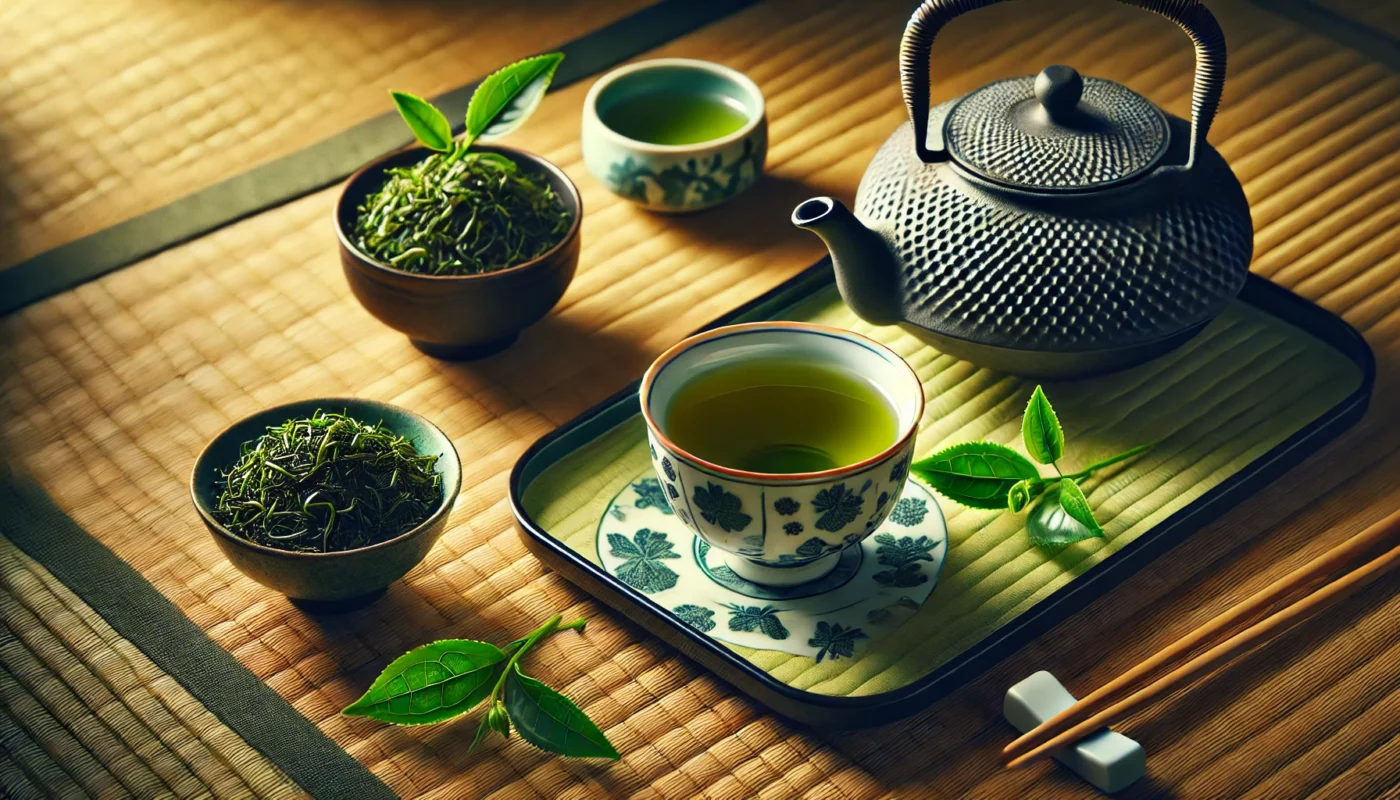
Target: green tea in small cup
781	444
675	134
780	418
674	118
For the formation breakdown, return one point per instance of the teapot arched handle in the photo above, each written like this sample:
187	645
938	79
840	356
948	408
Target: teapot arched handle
1191	15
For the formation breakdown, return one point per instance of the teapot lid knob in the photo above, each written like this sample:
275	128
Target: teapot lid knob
1055	132
1058	88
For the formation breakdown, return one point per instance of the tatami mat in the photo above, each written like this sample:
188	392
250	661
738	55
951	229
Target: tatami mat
113	108
86	712
109	391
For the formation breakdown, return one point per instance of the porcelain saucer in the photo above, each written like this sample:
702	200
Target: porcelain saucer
877	585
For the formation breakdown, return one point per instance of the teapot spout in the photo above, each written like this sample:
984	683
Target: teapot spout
866	272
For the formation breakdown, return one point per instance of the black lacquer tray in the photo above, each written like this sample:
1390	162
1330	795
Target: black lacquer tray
872	709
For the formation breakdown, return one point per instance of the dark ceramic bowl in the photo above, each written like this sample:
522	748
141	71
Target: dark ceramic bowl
458	316
327	579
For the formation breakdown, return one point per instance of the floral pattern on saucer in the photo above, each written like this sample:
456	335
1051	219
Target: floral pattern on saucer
877	585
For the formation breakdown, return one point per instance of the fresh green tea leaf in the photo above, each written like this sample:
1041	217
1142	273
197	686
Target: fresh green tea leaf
1019	496
427	123
432	683
1049	526
990	476
1040	429
550	721
509	95
976	474
1075	504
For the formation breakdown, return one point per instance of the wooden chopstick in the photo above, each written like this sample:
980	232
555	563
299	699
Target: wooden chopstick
1090	714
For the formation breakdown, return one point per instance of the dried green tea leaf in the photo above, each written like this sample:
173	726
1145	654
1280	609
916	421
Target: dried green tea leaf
497	160
468	215
327	483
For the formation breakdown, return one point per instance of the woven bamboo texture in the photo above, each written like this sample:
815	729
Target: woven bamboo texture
84	712
114	108
109	391
1242	386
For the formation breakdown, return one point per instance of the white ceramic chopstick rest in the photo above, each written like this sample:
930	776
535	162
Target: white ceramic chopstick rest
1107	759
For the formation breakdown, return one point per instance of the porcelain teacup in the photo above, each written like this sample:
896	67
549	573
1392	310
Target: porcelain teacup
776	529
674	178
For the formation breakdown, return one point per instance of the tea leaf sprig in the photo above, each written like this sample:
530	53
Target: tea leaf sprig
466	213
499	105
991	476
327	483
446	679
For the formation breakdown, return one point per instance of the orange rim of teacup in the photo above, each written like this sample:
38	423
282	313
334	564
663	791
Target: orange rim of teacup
687	343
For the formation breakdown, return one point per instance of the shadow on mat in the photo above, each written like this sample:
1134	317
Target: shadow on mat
9	323
759	219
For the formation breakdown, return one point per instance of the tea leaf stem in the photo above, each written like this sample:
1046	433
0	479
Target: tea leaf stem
1088	471
1110	461
518	648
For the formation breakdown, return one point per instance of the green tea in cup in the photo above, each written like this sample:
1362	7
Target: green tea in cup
673	118
675	134
776	417
781	444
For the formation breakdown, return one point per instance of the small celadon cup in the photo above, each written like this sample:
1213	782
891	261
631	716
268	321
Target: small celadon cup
673	178
782	529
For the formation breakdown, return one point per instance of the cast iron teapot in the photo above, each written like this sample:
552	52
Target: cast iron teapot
1053	225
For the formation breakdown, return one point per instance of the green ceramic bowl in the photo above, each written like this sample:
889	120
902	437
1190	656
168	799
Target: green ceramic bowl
348	577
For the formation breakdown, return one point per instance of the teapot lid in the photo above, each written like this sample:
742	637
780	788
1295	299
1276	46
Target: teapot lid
1056	132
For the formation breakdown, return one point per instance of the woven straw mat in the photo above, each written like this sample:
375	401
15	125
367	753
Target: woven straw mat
114	108
108	392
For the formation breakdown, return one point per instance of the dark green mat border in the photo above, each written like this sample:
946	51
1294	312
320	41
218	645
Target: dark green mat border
143	616
323	163
1342	29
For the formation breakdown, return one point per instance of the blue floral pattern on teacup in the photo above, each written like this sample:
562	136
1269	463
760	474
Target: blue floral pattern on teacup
780	525
686	183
